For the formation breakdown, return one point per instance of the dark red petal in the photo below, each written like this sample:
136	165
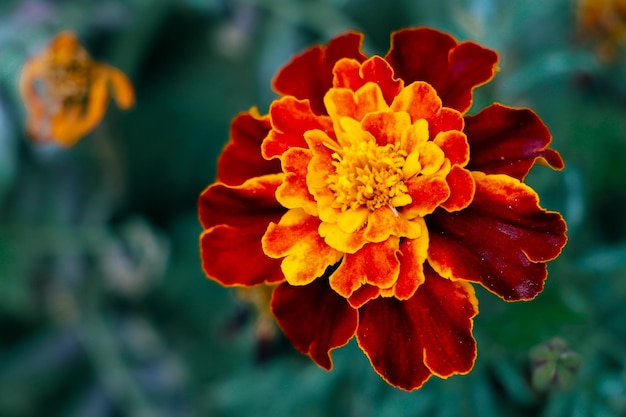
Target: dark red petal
242	157
508	141
248	204
290	119
234	256
454	70
309	75
430	333
501	240
315	318
236	218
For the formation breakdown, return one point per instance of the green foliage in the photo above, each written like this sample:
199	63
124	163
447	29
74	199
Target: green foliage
104	308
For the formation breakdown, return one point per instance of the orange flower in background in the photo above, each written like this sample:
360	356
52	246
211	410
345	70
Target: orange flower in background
66	93
373	201
605	22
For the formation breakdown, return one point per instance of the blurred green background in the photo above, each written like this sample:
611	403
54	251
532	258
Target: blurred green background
104	310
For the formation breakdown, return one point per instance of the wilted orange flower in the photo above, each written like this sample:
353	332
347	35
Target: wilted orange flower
373	201
66	93
605	22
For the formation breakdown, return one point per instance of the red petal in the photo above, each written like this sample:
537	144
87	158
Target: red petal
453	70
310	74
290	119
248	204
236	218
242	157
233	256
501	240
508	141
315	318
430	333
462	189
454	145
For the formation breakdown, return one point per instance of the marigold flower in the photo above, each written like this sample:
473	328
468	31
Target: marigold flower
605	22
66	93
373	201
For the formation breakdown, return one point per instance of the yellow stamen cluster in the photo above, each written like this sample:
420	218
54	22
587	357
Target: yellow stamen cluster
369	175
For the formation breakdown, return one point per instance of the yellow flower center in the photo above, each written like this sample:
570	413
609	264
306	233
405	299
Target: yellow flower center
369	175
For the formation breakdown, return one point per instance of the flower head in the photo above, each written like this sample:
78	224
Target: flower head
604	21
373	201
66	93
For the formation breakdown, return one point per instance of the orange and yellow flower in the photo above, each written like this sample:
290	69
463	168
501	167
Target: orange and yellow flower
372	201
66	93
603	21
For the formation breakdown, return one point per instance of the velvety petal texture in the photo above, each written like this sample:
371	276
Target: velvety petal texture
375	203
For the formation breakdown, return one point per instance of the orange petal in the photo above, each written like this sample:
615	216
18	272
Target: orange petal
375	264
418	99
291	118
342	241
121	88
384	222
295	238
386	126
462	188
454	145
427	193
350	73
294	192
72	122
342	102
412	256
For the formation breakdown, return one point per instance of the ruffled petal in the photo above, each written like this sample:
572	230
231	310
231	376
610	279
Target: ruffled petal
343	102
388	127
375	264
234	256
454	70
294	192
314	318
306	255
236	217
509	141
242	157
427	193
430	333
418	99
412	255
501	240
352	74
248	204
309	75
291	118
462	189
454	145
